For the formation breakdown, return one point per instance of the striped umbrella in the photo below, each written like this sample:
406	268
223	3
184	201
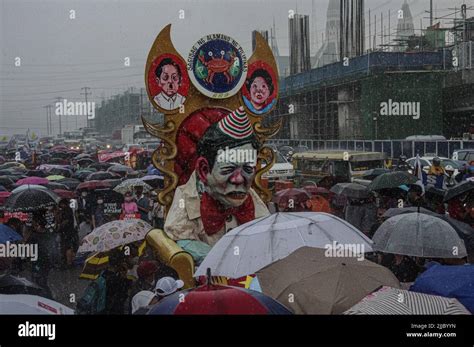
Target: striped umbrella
211	299
393	301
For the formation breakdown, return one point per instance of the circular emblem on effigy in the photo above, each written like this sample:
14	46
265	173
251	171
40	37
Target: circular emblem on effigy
217	66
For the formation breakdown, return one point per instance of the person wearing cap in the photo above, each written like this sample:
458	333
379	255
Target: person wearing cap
218	196
142	301
450	180
167	286
436	169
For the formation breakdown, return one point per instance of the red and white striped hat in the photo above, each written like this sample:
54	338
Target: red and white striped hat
236	124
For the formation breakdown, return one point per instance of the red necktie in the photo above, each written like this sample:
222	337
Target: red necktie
214	215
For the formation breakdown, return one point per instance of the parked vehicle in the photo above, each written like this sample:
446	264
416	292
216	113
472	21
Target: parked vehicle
466	155
281	170
326	168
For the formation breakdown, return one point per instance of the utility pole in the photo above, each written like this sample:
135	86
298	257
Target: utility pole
59	99
431	13
86	93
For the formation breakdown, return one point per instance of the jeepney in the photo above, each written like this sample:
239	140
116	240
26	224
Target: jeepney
326	168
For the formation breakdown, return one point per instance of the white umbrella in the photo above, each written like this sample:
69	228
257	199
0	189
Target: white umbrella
128	185
30	304
256	244
419	235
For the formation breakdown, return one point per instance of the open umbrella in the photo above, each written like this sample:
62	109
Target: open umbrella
8	234
3	196
32	180
113	183
291	198
351	190
128	185
114	234
30	304
71	183
85	161
55	177
451	281
36	173
459	189
371	174
60	171
100	166
55	185
10	284
82	156
218	300
82	174
394	301
392	180
92	185
318	283
465	231
101	175
419	235
6	181
256	244
120	169
28	186
154	181
29	200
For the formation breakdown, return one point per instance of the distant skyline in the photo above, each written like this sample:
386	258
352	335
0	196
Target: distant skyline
60	55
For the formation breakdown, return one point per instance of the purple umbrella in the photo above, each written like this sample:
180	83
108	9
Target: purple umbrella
32	180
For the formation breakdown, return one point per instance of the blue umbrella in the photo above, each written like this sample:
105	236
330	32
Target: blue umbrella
8	234
451	281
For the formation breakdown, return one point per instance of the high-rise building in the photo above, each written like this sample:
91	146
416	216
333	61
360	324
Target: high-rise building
299	43
405	27
352	28
264	33
329	51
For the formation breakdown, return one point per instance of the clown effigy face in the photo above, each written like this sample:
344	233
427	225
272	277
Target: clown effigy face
169	80
232	175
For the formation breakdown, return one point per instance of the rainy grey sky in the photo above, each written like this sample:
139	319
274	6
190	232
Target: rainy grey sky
60	55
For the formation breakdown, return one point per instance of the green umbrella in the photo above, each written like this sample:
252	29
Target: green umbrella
391	180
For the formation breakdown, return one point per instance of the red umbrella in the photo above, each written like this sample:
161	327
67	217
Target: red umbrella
284	197
92	185
65	194
4	196
218	300
313	190
32	180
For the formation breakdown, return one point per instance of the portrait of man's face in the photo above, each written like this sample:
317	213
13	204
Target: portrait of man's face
169	80
229	181
259	92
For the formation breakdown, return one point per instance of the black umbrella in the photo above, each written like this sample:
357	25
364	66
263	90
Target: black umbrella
62	155
435	192
114	182
351	190
85	161
6	181
60	171
122	170
9	165
56	185
101	175
18	285
370	175
31	200
392	180
100	166
6	172
458	190
71	183
82	156
36	173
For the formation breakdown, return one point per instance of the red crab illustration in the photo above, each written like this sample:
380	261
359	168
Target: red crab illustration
218	65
